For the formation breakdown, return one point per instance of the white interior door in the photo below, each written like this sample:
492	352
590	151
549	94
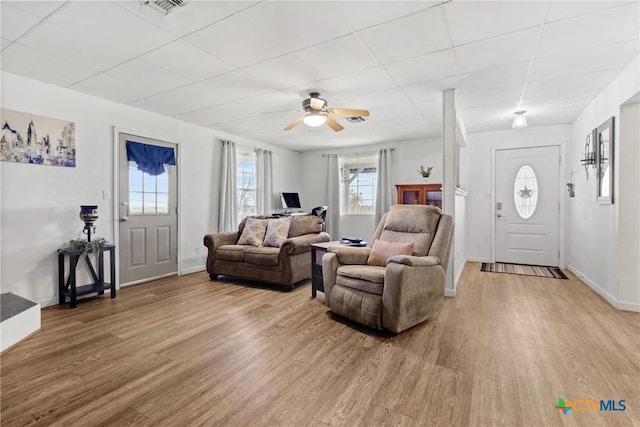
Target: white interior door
527	206
148	217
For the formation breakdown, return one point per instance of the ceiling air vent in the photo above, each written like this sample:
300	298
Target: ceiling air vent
164	6
355	119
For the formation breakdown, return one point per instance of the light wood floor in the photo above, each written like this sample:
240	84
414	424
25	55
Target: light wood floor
186	351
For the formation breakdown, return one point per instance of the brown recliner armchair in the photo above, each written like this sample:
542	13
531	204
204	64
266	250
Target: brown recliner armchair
405	292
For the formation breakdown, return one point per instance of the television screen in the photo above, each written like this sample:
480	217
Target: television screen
290	200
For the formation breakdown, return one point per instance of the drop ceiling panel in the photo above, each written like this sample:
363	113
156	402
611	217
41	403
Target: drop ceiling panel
386	98
568	84
433	66
41	9
362	15
236	41
186	60
68	43
491	96
32	63
588	31
297	25
336	57
283	72
417	34
497	51
473	21
106	86
430	90
559	10
183	20
16	22
495	77
354	84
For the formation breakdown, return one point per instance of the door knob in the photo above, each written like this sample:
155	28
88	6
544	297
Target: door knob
124	219
499	215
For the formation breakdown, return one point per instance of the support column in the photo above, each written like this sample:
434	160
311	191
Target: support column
449	161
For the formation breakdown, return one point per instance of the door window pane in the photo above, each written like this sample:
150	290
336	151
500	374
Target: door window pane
149	203
135	203
163	203
148	194
525	192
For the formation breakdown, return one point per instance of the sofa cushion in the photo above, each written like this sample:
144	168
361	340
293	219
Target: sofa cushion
277	232
262	256
383	250
370	273
301	225
232	252
253	232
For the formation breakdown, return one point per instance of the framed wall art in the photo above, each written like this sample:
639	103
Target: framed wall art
604	160
29	138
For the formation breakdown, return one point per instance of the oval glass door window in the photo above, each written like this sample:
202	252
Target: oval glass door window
525	192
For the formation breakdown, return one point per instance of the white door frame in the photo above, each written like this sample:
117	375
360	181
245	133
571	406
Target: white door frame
561	195
115	193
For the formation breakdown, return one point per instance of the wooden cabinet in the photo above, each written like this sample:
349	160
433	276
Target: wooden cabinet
420	194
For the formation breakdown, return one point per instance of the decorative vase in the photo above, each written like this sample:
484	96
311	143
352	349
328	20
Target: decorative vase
89	215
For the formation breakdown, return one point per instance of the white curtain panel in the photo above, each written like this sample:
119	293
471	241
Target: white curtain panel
386	195
264	182
332	196
228	213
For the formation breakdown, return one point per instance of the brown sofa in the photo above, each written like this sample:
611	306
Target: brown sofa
283	266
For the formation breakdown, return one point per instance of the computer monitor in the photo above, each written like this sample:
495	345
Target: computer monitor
290	200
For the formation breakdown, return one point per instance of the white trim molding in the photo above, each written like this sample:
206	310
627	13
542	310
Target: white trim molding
620	305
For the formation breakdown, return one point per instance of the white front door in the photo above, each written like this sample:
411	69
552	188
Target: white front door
148	218
527	206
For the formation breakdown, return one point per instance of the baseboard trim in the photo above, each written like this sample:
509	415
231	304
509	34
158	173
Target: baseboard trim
196	269
470	259
620	305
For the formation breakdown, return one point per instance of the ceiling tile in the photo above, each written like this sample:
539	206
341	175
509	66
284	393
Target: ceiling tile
336	57
107	86
67	44
41	9
605	57
491	96
238	6
22	60
219	90
385	98
296	25
186	60
236	41
417	34
430	90
595	29
473	21
283	72
16	22
497	51
495	77
433	66
5	43
559	10
353	84
362	15
183	20
568	84
106	24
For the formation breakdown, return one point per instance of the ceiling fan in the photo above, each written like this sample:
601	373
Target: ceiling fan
319	113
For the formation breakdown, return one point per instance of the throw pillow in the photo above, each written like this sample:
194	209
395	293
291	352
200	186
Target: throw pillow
382	251
277	232
253	233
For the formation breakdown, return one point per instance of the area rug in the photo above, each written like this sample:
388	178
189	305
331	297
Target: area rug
524	270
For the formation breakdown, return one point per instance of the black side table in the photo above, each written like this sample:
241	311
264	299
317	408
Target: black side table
317	252
67	286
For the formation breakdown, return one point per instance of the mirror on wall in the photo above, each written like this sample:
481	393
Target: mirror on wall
604	160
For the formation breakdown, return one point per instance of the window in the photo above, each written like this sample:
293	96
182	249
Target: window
525	192
246	184
358	183
148	194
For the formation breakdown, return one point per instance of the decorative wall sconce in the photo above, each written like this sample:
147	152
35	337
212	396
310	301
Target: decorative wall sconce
589	156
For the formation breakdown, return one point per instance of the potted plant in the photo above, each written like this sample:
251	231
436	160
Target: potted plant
425	172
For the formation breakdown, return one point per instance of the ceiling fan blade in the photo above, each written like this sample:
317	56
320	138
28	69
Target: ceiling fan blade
333	124
348	112
294	123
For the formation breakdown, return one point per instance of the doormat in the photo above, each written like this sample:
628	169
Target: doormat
523	270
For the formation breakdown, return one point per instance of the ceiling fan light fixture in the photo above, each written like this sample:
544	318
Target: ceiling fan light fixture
314	119
520	120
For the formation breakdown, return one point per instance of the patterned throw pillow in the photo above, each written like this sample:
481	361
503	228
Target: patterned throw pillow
253	232
382	251
277	232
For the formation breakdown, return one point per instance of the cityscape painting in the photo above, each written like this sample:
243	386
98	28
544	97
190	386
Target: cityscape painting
28	138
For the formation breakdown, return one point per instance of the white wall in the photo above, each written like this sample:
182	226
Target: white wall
407	157
593	229
40	204
481	193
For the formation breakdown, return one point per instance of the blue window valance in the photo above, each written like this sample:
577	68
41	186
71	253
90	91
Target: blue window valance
150	158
